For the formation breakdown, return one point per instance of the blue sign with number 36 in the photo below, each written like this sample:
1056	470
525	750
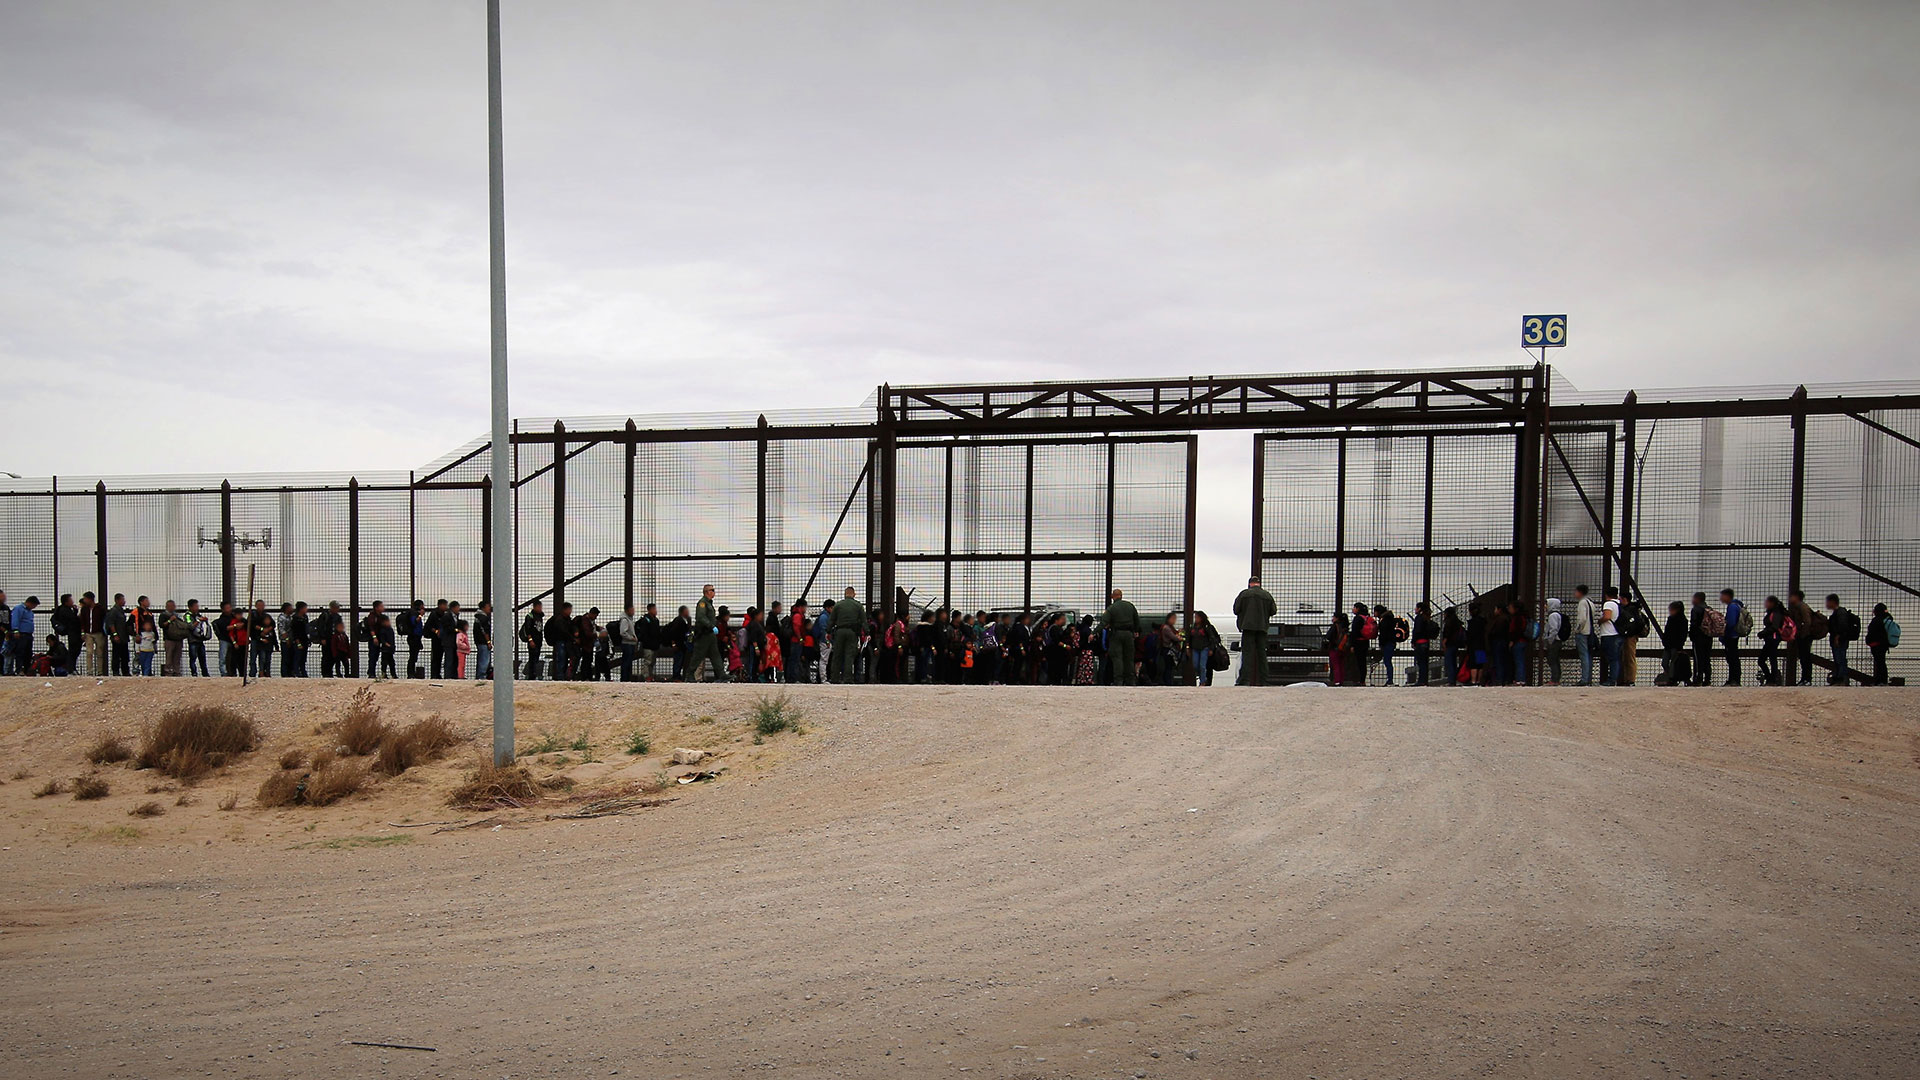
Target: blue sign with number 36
1543	331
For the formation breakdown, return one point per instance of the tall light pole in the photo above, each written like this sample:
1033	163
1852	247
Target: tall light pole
501	546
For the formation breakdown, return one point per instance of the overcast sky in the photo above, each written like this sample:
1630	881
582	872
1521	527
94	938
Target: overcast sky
275	212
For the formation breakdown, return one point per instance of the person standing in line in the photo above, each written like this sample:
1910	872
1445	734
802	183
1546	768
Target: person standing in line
1633	627
1773	622
1800	649
753	644
1674	647
236	621
93	617
648	634
199	632
703	643
330	630
820	655
483	640
1585	626
389	645
1843	629
1253	610
1122	624
146	637
779	636
849	622
369	631
559	633
1203	641
66	624
1387	629
1423	632
1882	634
261	633
462	646
1739	625
299	639
1552	633
677	638
21	622
118	633
413	623
174	631
449	639
533	634
439	633
1701	640
1610	638
283	637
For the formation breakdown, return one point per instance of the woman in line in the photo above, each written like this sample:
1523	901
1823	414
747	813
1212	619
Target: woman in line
1773	623
1335	646
1202	642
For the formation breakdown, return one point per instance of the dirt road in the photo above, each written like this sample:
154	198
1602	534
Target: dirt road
1018	883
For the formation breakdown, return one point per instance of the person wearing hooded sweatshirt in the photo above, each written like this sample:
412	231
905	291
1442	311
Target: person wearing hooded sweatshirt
1550	639
1675	646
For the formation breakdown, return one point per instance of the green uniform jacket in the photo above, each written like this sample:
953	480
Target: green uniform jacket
1121	615
849	615
1254	609
705	622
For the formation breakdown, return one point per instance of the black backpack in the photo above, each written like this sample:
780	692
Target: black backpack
1634	625
1844	625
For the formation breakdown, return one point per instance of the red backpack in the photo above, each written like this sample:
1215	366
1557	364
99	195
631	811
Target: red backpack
1369	628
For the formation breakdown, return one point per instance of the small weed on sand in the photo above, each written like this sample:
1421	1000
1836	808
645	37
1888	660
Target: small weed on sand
495	787
21	774
110	750
639	743
318	787
361	728
293	758
347	843
185	800
51	787
773	715
547	743
581	743
230	800
91	787
147	809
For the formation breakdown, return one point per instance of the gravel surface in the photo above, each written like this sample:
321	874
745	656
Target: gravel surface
1011	882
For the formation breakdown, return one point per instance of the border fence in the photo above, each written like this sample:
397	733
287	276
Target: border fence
1379	486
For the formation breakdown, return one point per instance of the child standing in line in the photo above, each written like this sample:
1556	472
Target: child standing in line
462	644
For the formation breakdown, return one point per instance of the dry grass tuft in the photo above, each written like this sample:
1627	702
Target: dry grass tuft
494	787
230	800
293	758
321	760
90	787
333	783
557	782
416	744
110	750
51	787
21	774
361	729
318	787
188	741
185	800
147	809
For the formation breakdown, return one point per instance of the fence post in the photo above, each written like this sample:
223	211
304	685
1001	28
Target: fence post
1797	516
413	546
100	539
1259	504
889	456
53	513
759	517
486	538
1026	575
1193	527
632	449
946	525
353	574
1340	528
1426	530
559	514
1113	459
226	543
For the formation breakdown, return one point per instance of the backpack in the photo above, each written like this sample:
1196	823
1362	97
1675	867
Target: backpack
1566	627
1400	629
1369	628
1845	625
1634	622
1713	623
1743	626
202	630
1818	626
1893	633
1789	630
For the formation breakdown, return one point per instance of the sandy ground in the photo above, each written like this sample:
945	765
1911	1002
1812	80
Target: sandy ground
1018	883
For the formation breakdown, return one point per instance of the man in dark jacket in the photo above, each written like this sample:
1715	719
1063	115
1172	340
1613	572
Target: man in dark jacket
446	641
648	635
532	635
674	637
1701	640
559	633
1675	642
116	631
299	640
1122	624
704	644
439	630
413	624
1843	629
1253	610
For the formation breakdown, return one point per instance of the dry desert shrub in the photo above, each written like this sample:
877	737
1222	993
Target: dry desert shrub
51	787
186	799
110	750
187	741
333	783
230	800
494	787
293	758
90	787
416	744
147	809
321	760
318	787
361	729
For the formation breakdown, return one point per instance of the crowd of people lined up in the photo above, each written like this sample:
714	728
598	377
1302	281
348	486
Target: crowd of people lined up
1488	642
1480	643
